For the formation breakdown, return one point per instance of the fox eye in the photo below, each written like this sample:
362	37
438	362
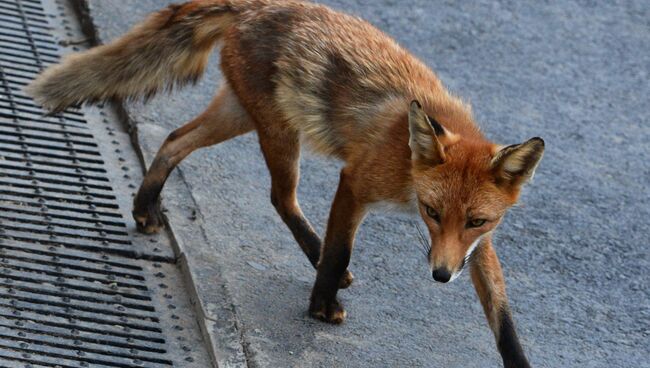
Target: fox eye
476	223
432	213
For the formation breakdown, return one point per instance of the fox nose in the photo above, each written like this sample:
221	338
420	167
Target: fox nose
441	275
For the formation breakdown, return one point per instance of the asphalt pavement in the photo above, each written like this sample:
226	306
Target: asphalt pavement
575	252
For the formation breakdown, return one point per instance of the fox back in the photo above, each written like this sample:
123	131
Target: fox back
334	77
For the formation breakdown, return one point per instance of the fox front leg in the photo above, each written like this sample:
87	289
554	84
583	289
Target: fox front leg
490	287
345	216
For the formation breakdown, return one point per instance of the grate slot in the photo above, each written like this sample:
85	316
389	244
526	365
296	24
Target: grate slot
22	105
7	37
60	269
98	333
17	92
25	237
134	290
19	133
99	263
72	284
45	227
28	152
35	4
28	56
68	219
31	174
54	351
21	44
61	274
6	20
16	141
52	336
18	82
41	119
6	59
47	207
37	188
56	272
13	357
59	264
47	129
17	10
73	344
19	199
13	8
92	269
6	363
133	318
24	4
44	328
125	326
54	142
19	68
45	220
31	177
48	158
82	321
89	299
29	161
68	200
48	230
18	16
56	187
7	41
71	119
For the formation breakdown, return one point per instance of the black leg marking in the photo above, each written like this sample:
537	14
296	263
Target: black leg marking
147	215
147	197
305	236
509	346
146	206
310	244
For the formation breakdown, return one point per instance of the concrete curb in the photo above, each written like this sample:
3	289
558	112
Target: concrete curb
217	321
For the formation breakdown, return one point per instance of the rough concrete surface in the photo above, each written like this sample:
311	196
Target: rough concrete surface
575	253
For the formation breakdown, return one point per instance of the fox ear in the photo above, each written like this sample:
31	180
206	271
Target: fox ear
516	164
427	137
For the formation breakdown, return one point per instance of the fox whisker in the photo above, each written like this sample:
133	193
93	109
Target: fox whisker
426	248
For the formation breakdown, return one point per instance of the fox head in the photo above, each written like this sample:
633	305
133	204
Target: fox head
464	187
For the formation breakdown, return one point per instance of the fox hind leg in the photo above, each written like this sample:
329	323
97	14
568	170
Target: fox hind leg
224	119
281	150
282	154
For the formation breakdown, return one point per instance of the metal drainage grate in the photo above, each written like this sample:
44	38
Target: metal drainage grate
75	288
53	181
63	309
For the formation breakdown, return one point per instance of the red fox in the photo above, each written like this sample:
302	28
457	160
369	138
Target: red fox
297	72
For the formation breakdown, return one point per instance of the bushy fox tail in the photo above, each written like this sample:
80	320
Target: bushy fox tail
170	48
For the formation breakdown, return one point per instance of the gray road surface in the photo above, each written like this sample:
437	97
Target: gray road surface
575	252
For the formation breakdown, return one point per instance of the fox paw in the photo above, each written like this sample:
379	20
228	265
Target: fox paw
346	280
327	311
148	220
